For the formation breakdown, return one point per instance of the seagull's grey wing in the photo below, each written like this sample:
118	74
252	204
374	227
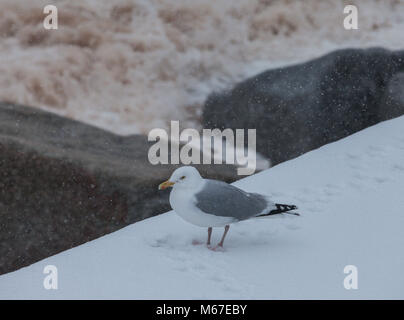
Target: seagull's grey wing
222	199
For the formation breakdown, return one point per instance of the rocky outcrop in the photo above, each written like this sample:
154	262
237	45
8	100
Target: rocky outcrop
302	107
63	183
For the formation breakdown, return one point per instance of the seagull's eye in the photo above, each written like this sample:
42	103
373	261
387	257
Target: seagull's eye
182	178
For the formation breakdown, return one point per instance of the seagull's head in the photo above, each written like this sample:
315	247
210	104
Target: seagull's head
186	176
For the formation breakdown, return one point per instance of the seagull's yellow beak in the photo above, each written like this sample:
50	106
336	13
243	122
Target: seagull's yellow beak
166	184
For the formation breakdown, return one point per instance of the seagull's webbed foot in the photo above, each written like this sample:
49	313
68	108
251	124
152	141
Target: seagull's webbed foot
218	248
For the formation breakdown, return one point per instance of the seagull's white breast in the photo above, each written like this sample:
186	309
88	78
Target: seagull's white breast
183	201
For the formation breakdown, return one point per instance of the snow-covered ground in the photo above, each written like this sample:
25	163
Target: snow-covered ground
350	195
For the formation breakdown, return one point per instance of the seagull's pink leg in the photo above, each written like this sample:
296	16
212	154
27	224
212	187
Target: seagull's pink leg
226	229
209	235
197	242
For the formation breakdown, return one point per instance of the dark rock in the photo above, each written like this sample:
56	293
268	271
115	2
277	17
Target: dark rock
392	104
302	107
63	183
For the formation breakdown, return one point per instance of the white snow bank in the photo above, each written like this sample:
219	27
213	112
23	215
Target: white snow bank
350	195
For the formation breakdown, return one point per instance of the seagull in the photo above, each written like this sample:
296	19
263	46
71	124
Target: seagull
213	203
